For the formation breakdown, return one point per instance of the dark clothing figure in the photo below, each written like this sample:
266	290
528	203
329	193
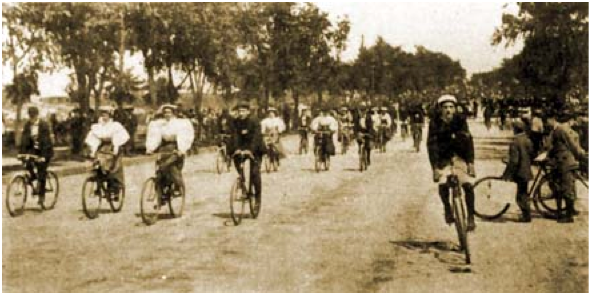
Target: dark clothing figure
446	140
36	140
487	115
246	135
365	131
518	170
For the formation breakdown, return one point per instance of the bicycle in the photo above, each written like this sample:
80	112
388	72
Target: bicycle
404	130
459	212
345	138
18	188
241	191
160	190
382	139
320	151
541	192
96	187
303	142
223	160
271	158
363	156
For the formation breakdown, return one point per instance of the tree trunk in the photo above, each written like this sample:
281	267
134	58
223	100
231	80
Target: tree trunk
296	110
82	89
320	102
152	86
19	107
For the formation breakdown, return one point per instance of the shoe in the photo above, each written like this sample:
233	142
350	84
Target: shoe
524	219
564	220
575	212
470	225
449	217
41	201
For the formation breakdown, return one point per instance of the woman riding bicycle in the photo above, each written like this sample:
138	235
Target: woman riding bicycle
450	146
246	138
36	140
172	137
326	126
105	140
272	127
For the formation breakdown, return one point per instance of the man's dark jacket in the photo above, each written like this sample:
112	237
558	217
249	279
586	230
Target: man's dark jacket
446	140
246	135
44	136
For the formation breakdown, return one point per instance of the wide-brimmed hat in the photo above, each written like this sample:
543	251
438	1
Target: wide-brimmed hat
167	106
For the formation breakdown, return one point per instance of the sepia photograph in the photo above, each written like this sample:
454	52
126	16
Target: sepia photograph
295	147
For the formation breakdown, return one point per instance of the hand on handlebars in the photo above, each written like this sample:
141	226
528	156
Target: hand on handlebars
471	170
436	174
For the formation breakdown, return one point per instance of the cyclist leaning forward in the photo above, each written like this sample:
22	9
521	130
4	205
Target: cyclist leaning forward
246	138
36	140
105	140
364	130
450	145
172	137
416	123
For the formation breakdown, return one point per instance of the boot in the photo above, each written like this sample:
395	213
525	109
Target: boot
470	201
558	203
443	192
569	212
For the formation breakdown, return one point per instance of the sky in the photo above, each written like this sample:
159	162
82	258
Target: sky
461	30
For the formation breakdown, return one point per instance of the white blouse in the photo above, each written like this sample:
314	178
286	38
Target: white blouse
112	130
179	129
269	124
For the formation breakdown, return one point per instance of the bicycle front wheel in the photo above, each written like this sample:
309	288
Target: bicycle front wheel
220	162
491	197
255	202
116	201
461	223
51	190
363	159
237	202
318	159
544	198
91	197
149	204
176	201
16	196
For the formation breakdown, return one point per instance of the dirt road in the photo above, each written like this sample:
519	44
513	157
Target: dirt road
336	231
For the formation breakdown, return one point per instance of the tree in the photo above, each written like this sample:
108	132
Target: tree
554	58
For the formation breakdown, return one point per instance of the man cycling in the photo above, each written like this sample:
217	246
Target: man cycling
365	131
105	140
172	136
345	126
416	123
326	126
36	140
246	139
385	124
450	145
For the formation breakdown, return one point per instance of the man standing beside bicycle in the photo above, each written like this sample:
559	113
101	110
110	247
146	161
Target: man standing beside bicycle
246	139
450	149
105	139
565	153
173	137
36	140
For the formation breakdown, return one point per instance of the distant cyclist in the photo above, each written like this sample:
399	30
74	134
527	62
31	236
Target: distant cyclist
416	124
365	131
325	125
450	145
385	124
272	127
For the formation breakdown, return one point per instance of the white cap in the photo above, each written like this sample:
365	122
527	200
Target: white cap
446	98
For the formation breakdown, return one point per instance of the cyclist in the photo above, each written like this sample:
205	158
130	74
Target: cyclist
385	124
247	140
345	125
403	118
36	140
174	137
325	122
272	126
416	123
224	122
450	145
565	152
105	139
364	130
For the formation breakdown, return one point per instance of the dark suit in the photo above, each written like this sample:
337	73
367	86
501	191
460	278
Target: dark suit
446	140
42	146
246	135
518	169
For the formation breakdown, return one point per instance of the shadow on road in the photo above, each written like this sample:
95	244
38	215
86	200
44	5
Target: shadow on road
446	252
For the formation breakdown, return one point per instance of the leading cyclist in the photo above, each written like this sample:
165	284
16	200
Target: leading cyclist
450	145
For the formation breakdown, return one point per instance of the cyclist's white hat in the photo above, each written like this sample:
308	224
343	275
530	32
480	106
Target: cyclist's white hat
446	98
273	109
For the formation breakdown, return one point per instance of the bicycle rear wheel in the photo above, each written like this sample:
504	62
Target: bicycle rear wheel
51	190
461	223
237	201
91	197
491	196
16	196
149	204
117	205
176	201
